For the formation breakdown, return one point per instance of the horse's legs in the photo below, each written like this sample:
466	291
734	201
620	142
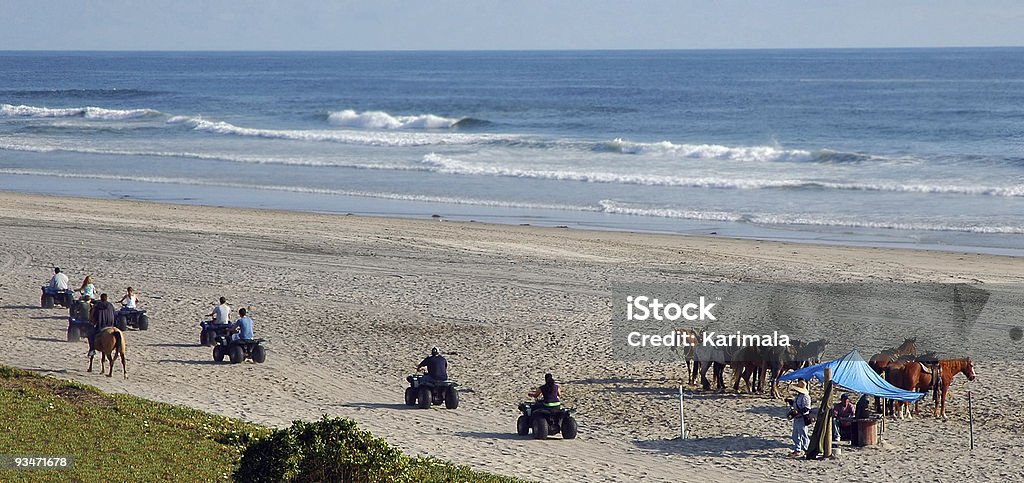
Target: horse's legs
719	374
705	383
103	363
90	363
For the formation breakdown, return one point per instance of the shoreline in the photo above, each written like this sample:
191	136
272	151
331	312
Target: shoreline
742	232
349	304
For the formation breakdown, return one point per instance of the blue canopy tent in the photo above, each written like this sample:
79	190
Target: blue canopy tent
851	372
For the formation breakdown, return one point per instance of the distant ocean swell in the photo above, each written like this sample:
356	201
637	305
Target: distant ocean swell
604	206
381	129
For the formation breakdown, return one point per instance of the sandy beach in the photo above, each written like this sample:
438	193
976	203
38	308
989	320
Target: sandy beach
350	304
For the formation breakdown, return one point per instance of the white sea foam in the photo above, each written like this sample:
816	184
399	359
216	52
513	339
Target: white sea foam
301	189
99	113
448	165
610	206
364	138
383	120
711	151
605	206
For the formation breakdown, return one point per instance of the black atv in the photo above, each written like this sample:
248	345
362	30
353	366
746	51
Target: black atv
80	309
78	329
239	350
126	317
52	296
545	421
425	394
209	332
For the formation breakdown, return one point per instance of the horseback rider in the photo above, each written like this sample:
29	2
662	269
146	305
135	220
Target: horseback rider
102	316
436	365
547	395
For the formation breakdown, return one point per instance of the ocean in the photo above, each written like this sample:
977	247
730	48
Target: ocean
903	147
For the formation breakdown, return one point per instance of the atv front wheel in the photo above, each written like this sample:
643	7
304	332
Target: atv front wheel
425	398
143	322
259	354
523	426
451	398
410	397
218	353
569	428
236	354
540	428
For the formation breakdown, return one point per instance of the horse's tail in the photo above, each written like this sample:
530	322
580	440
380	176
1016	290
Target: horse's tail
119	340
937	374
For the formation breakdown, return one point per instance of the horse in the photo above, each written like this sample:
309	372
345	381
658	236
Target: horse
879	362
689	336
915	376
812	353
110	340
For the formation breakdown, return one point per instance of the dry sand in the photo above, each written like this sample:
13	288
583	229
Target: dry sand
350	304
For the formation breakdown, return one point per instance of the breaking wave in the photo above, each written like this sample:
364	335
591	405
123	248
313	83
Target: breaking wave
446	165
9	110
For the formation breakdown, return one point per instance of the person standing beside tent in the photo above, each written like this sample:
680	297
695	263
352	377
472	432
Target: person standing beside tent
800	414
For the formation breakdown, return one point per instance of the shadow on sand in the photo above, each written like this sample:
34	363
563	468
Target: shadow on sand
50	317
193	362
366	405
47	339
19	307
490	435
173	345
720	446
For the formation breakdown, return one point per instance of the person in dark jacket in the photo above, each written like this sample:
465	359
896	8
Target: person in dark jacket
102	316
436	365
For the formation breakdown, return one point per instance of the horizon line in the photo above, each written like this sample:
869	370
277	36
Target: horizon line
707	49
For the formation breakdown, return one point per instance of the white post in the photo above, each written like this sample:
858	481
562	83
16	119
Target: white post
682	421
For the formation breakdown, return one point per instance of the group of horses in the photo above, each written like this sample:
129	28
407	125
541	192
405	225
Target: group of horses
904	368
754	365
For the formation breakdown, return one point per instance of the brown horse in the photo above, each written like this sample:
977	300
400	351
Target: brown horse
880	362
110	340
915	376
689	350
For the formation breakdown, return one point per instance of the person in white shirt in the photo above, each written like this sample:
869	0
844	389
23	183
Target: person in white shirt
59	281
130	300
221	313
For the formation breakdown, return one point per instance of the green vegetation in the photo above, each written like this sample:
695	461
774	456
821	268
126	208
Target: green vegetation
115	437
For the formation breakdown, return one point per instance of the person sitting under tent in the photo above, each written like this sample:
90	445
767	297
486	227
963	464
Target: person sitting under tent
842	412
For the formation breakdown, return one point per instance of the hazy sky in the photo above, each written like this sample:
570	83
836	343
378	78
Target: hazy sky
508	24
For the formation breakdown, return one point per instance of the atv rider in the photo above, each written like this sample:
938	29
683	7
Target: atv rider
244	326
220	313
548	395
59	281
102	316
130	300
88	289
437	367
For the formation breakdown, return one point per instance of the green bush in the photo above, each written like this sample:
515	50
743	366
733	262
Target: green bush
331	449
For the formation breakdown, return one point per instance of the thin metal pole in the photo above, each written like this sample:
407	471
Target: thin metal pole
970	416
682	421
